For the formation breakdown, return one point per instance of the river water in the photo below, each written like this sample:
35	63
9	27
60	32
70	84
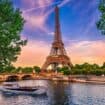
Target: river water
58	93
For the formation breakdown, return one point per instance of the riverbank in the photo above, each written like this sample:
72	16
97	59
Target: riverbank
54	77
82	79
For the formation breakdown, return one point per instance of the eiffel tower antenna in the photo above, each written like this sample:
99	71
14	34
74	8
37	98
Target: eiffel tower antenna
58	56
57	36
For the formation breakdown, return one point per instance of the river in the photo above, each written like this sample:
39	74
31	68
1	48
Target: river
58	93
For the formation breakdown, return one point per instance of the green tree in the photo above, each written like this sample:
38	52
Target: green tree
65	70
86	68
95	66
101	22
9	69
19	69
11	24
27	70
103	66
37	69
77	66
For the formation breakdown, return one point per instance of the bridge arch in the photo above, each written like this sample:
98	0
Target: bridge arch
12	78
27	77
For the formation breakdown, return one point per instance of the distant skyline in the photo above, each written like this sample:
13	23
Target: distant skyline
78	18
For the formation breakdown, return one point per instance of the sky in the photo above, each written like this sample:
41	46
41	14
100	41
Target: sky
83	42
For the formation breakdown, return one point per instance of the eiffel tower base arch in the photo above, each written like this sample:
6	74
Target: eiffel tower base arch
52	63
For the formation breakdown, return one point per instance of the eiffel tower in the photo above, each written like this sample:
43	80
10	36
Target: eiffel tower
58	56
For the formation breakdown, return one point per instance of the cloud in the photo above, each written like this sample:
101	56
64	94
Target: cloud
64	2
42	5
91	14
33	54
36	52
34	22
51	33
35	3
36	14
87	51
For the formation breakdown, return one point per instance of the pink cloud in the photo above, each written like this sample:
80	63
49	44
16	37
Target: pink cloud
33	54
35	21
87	51
38	20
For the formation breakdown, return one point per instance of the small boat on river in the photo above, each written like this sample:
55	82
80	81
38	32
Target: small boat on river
16	89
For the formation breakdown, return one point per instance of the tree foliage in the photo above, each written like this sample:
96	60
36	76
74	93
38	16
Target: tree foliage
84	69
78	69
101	22
37	69
27	70
88	69
11	24
65	70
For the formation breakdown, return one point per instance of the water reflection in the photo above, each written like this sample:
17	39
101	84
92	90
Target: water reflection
59	93
58	96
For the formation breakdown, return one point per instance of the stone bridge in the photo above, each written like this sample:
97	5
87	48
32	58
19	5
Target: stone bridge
18	76
28	76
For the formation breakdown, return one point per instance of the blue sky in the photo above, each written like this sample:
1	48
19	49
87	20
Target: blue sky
77	17
78	26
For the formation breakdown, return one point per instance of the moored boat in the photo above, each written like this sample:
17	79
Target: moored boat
16	89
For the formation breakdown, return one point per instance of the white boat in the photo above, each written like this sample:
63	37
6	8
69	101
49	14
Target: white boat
16	89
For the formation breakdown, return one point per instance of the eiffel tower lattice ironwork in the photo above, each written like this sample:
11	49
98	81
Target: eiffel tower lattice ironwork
58	56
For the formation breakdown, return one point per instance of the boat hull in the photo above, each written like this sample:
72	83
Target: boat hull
36	92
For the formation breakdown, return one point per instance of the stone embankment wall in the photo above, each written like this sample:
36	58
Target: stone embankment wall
56	77
89	77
